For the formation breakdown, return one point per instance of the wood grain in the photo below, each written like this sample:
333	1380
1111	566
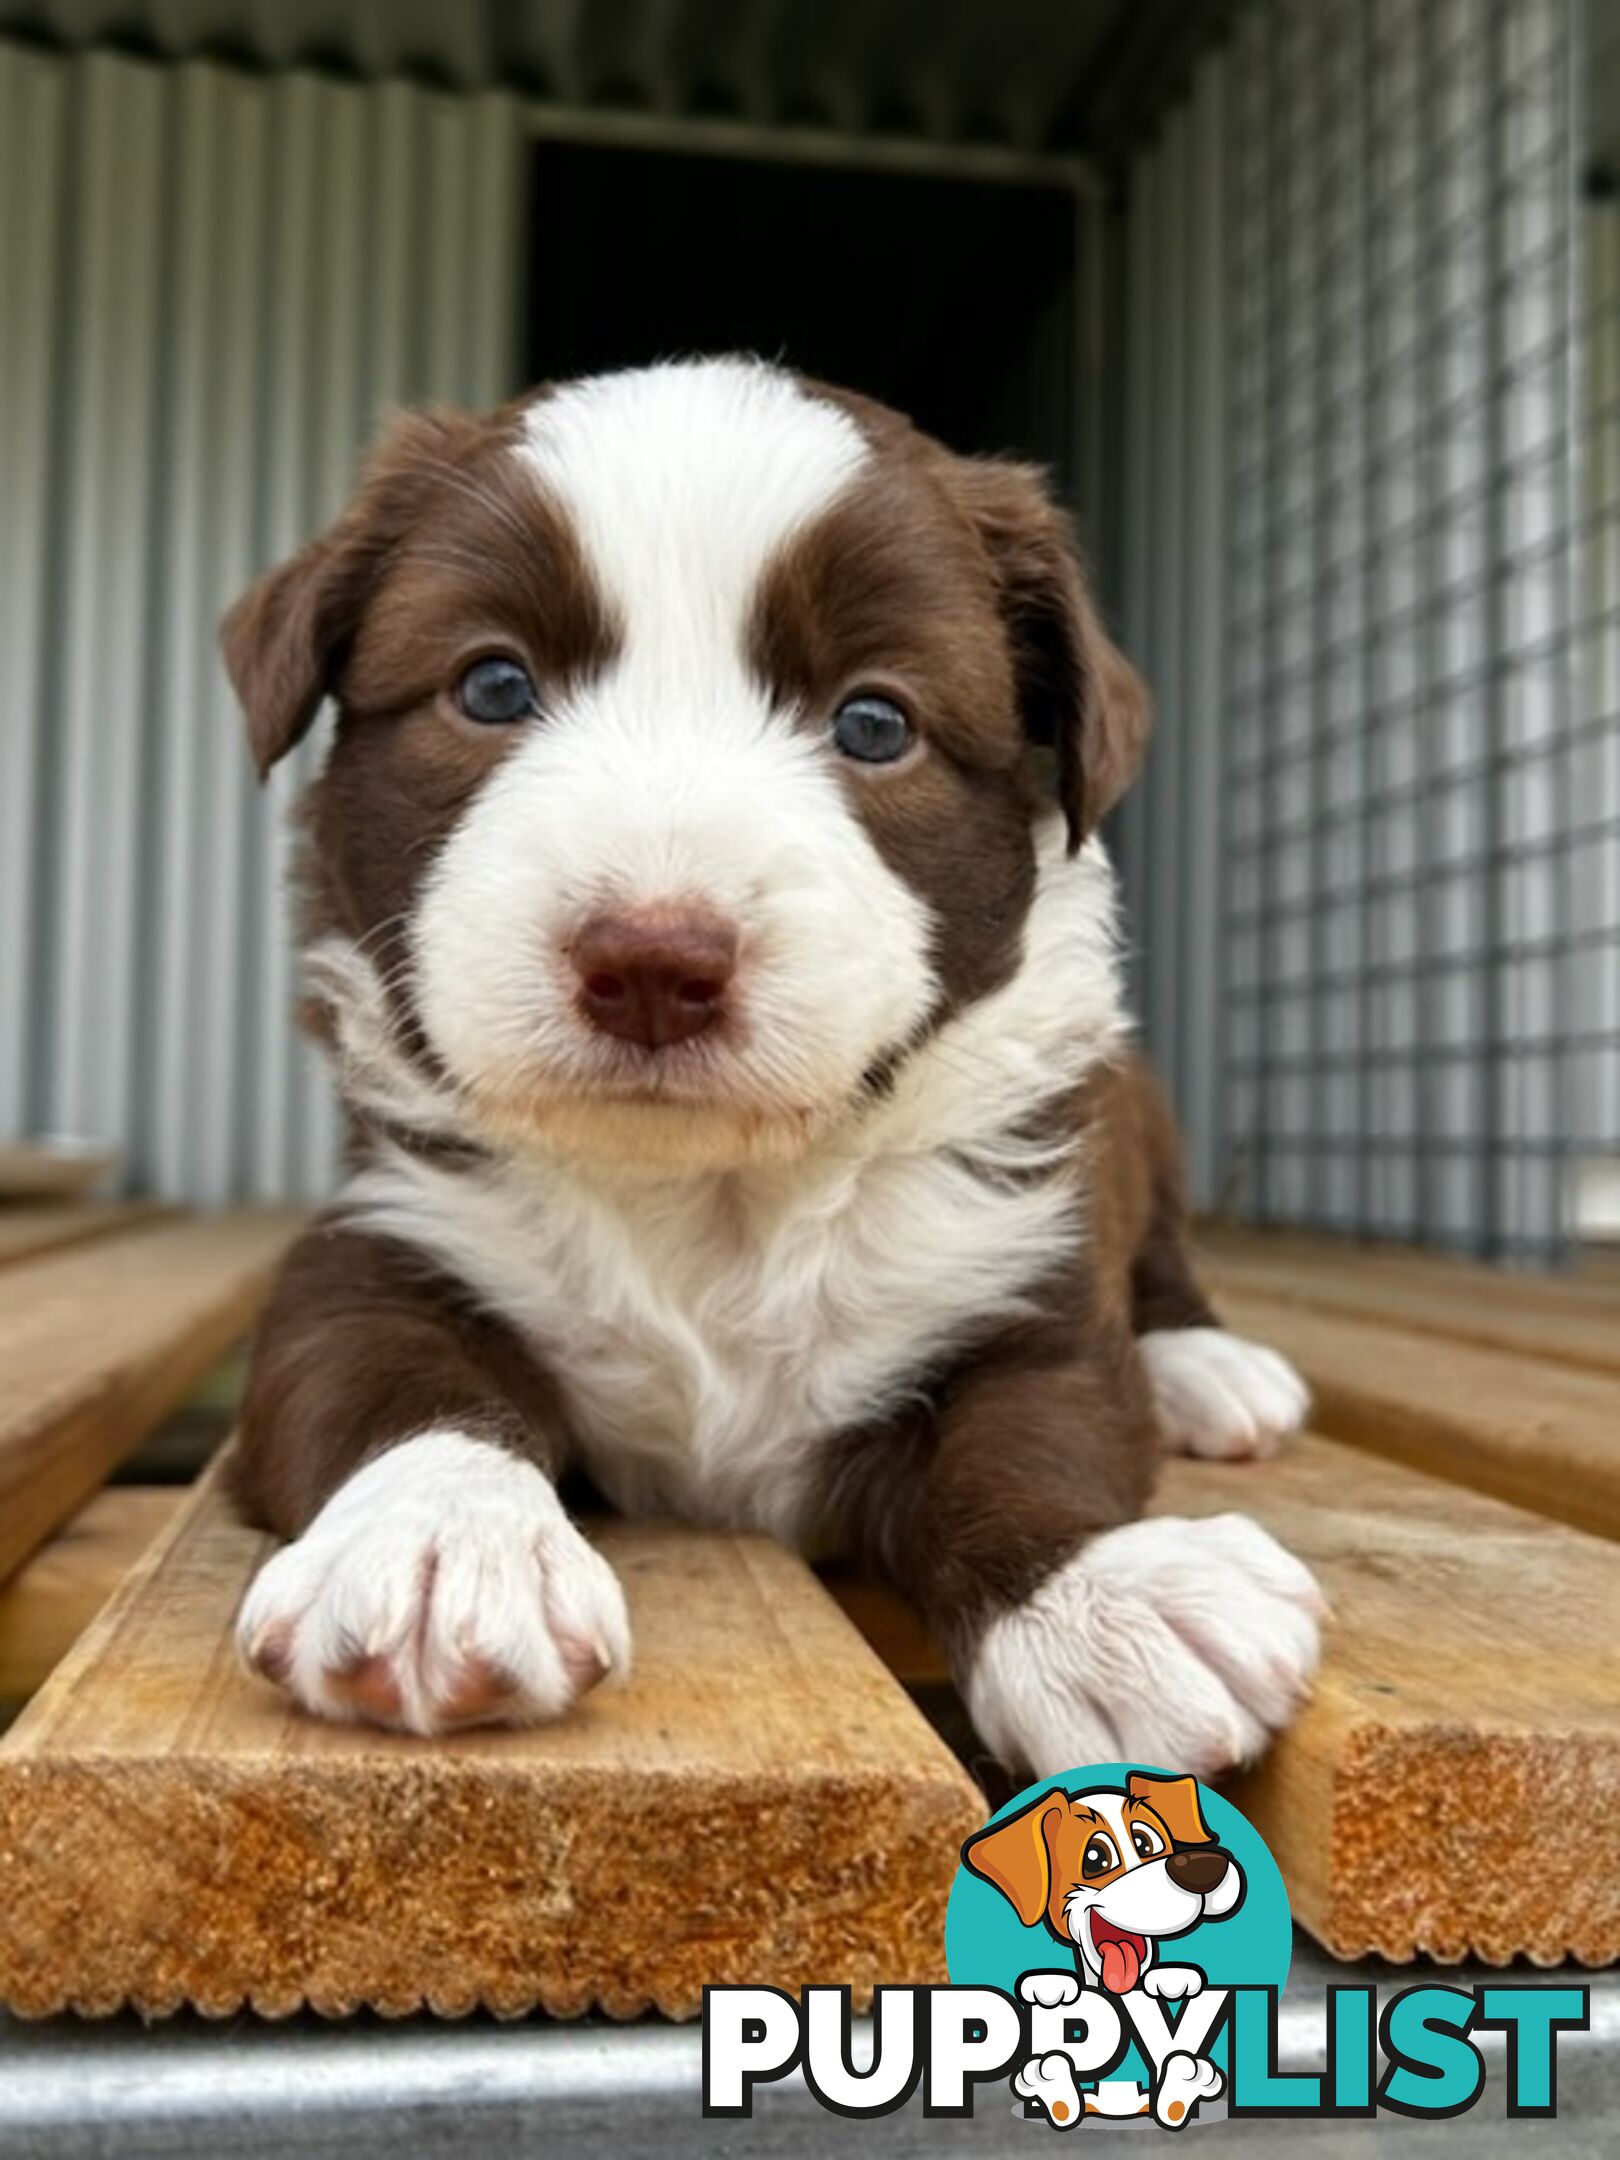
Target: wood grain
50	1602
1540	1316
100	1342
1529	1430
1453	1788
760	1803
27	1230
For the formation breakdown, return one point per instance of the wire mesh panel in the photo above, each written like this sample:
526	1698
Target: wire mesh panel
1411	1044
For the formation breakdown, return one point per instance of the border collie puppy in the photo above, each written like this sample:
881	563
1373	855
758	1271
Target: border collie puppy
742	1106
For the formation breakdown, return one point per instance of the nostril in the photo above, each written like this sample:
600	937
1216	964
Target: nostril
700	990
606	988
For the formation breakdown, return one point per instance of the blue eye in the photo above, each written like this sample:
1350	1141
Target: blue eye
871	729
497	692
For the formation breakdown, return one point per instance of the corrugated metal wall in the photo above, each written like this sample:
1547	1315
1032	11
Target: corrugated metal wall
1171	541
1357	863
214	285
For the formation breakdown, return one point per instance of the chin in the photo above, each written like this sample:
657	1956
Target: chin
654	1136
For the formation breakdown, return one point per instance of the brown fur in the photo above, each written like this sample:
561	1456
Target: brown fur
1042	1435
446	553
363	1344
888	592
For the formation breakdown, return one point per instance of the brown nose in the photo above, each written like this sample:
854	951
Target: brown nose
1198	1872
654	975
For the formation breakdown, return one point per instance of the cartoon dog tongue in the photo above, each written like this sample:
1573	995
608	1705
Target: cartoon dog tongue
1121	1962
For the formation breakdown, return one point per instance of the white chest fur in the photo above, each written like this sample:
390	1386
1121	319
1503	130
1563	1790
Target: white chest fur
708	1331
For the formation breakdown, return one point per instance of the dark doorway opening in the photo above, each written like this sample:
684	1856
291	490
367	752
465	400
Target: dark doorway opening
951	298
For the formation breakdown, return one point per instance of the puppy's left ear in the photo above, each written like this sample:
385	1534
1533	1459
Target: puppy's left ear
1016	1857
1175	1801
1078	692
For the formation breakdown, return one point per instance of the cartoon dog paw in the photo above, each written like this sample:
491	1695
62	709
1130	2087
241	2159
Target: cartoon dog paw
1050	1990
1172	1982
1183	2082
1048	2080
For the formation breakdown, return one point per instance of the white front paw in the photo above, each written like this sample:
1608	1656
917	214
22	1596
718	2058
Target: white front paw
1179	1642
1173	1982
1184	2081
1221	1395
1050	1990
1049	2082
442	1586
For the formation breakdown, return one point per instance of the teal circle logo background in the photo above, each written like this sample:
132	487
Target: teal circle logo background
986	1946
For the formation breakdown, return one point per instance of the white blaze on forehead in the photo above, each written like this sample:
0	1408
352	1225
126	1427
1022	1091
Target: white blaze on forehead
683	483
673	773
1110	1807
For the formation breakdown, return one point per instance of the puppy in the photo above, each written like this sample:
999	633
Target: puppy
740	1094
1110	1874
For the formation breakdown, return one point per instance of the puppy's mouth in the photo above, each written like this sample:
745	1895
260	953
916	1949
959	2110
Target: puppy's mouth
715	1103
1123	1954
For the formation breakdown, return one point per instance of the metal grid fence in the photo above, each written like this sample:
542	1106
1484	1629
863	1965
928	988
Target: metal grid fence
1415	935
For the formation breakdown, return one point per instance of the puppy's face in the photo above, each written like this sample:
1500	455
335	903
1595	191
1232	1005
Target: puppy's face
681	780
1111	1872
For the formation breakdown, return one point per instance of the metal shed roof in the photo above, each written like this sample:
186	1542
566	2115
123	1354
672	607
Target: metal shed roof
1066	75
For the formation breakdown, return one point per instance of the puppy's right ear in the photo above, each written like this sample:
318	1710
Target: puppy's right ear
1077	690
284	641
1016	1855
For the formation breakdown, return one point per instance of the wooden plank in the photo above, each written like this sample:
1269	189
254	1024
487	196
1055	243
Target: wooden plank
47	1606
1575	1323
97	1344
760	1803
59	1169
1540	1434
26	1231
1452	1788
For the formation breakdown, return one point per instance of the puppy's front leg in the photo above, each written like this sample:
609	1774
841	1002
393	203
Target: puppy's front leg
1079	1633
403	1442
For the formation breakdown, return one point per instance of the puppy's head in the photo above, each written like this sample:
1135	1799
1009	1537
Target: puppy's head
681	782
1111	1872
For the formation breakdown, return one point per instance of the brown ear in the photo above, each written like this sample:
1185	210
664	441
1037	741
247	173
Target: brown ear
285	639
1175	1801
1016	1857
1079	692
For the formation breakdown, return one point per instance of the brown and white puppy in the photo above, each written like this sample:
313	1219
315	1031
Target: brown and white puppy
740	1092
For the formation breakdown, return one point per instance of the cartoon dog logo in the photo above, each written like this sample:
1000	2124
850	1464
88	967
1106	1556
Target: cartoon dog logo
1111	1873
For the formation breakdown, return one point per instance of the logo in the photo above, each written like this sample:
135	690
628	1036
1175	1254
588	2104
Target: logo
1120	1907
1117	1940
